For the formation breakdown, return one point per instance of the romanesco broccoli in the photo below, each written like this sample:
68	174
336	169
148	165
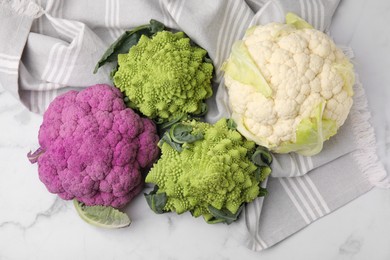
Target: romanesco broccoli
213	173
165	76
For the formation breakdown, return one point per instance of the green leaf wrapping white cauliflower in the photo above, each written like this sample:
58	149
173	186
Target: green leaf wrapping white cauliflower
290	87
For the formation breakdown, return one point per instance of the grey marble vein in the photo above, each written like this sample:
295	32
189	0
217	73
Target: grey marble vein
57	206
351	246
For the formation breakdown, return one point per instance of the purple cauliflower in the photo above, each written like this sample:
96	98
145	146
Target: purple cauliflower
92	147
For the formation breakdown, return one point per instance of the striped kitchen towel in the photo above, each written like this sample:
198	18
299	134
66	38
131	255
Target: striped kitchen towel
48	47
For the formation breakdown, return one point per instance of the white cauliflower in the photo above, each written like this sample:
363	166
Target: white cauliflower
290	87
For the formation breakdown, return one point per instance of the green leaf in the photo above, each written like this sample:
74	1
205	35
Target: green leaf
223	215
310	134
156	26
263	192
262	172
112	73
127	40
167	139
101	216
173	121
297	21
242	68
208	59
202	111
231	124
156	201
158	120
262	157
181	134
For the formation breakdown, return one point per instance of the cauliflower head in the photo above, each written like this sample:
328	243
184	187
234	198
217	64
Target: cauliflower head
290	87
213	172
93	147
165	76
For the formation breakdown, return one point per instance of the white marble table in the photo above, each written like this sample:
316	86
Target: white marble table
34	224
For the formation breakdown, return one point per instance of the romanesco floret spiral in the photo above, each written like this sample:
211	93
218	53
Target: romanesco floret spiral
215	171
164	76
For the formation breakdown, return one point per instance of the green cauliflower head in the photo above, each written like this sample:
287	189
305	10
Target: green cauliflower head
212	173
165	76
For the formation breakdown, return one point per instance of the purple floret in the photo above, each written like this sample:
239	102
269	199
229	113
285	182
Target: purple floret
94	147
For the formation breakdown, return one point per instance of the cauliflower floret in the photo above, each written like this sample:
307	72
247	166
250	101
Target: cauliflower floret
304	70
93	147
